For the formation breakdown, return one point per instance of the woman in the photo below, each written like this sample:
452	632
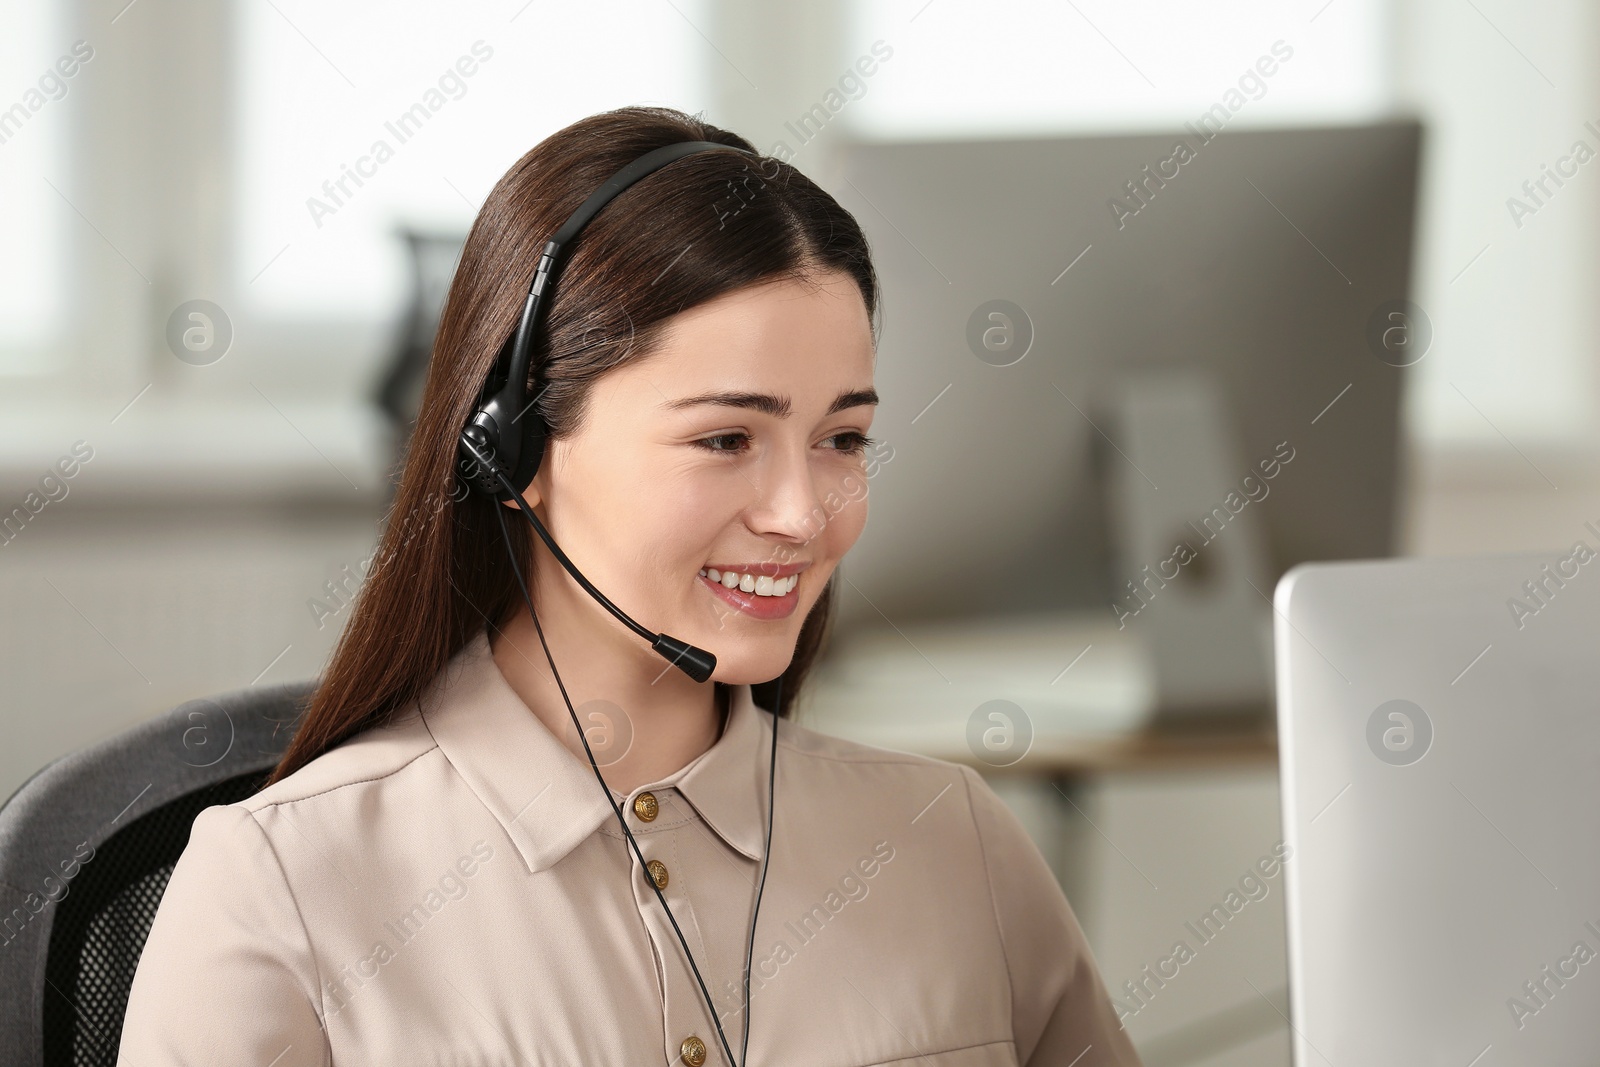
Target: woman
436	872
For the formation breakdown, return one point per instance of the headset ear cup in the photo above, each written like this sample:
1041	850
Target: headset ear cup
534	444
533	433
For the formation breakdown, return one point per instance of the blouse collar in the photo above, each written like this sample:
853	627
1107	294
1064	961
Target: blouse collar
547	798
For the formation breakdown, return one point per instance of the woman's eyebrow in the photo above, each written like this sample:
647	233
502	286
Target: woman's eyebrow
770	404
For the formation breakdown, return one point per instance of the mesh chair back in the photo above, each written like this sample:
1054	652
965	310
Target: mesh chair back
86	848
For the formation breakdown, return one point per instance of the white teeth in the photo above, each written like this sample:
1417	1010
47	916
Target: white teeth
760	585
776	586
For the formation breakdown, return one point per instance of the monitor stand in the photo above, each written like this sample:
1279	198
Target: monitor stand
1190	572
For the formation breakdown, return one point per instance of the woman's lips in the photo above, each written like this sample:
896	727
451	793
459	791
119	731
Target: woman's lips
760	607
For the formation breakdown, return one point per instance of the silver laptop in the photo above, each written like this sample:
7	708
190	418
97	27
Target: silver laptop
1439	729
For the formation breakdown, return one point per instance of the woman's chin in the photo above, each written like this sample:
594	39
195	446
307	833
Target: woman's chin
749	666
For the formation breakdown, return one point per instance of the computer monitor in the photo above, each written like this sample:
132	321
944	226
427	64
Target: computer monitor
1438	739
1255	262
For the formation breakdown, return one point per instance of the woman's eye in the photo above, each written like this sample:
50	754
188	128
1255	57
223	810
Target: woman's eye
849	442
852	442
725	442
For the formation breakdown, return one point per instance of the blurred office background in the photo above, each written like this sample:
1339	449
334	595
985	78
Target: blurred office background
225	493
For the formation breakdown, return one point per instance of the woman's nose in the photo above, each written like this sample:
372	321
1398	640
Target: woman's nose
788	502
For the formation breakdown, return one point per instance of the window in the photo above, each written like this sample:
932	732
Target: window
35	109
356	116
1014	68
1510	289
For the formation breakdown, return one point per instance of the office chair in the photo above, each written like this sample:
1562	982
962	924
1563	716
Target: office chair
86	847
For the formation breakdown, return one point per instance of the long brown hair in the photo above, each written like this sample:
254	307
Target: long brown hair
700	227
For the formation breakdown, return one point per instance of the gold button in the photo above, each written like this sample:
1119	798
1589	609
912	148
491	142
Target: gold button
692	1051
658	873
645	806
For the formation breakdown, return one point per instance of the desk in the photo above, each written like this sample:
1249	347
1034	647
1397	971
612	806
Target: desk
1064	756
1082	690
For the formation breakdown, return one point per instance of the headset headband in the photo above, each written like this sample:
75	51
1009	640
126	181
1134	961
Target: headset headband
505	425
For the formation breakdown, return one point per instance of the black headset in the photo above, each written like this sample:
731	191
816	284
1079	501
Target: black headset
506	433
504	439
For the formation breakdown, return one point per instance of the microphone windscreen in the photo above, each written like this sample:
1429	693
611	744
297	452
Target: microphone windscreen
697	663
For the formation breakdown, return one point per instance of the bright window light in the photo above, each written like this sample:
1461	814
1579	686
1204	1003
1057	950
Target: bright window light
35	105
357	116
1011	68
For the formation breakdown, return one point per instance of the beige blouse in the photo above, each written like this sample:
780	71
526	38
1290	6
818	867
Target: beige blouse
453	888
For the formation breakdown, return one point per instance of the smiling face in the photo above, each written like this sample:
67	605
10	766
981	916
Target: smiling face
714	485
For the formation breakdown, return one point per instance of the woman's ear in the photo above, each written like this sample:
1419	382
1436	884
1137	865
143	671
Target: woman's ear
530	493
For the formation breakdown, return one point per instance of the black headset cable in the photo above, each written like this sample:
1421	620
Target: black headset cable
616	808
